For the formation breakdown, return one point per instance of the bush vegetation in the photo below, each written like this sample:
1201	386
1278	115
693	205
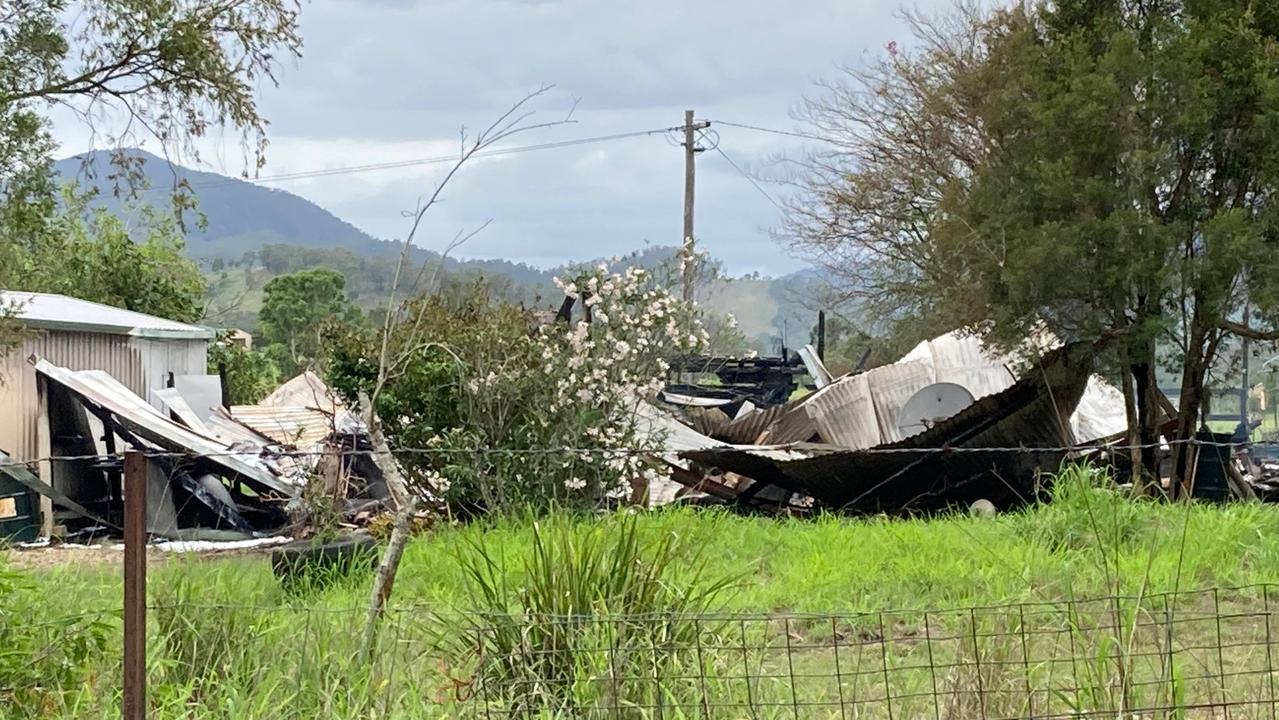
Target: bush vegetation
496	411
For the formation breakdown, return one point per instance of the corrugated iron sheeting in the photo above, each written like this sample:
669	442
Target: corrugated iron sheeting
301	428
139	364
795	423
863	410
747	429
231	432
67	314
100	389
1033	413
891	386
843	413
305	390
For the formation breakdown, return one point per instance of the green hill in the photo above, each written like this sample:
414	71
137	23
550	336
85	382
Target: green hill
253	233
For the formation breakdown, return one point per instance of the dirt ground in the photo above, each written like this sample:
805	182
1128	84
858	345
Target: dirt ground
61	556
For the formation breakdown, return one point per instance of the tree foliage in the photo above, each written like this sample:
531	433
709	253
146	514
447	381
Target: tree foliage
900	133
295	308
516	413
92	255
168	70
251	375
128	70
1102	170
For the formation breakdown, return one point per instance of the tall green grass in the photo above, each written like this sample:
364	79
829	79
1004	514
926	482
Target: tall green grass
475	605
601	615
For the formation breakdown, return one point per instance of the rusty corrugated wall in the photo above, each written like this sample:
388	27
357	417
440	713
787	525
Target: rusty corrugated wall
140	364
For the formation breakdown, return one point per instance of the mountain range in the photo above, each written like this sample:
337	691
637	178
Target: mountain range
242	219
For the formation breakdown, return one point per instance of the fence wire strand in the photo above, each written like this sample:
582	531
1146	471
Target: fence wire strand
1187	654
282	452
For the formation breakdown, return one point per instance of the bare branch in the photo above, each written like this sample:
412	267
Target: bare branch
509	123
1250	333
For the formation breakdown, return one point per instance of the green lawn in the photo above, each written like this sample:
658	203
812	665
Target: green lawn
278	655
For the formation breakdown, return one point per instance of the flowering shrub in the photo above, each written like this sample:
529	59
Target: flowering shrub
610	360
499	413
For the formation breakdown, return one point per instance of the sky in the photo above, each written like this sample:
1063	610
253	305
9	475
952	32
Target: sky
392	80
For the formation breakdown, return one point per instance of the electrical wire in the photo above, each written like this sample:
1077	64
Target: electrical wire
416	162
352	169
749	179
774	131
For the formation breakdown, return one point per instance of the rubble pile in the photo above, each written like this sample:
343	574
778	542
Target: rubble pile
213	472
946	425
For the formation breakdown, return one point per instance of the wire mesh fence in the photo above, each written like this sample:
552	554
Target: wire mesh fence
1195	654
1175	655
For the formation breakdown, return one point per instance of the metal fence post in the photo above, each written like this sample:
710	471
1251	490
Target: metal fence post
135	585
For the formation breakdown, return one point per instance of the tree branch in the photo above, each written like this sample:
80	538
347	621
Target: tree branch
1245	331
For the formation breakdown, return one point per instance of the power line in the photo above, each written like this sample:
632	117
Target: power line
774	131
352	169
749	179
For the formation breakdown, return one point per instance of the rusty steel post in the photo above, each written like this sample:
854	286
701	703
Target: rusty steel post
135	585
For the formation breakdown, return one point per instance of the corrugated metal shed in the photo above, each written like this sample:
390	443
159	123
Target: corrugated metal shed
139	351
48	311
141	364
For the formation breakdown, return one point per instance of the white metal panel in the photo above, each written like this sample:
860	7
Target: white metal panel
202	392
961	359
890	387
844	413
815	367
1100	412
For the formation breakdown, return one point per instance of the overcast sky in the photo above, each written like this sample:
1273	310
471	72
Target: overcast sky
392	80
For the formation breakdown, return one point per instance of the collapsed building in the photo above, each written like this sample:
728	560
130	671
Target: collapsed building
947	424
89	381
213	472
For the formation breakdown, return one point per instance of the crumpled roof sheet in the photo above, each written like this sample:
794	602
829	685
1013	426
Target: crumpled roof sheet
746	429
173	400
795	424
1033	413
133	413
305	390
1100	413
300	428
961	359
650	421
863	410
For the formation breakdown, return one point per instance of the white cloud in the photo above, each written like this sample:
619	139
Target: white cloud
391	80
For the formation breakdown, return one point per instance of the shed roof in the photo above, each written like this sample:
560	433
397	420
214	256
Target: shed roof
59	312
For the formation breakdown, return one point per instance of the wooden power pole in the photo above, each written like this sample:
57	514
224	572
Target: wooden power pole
690	162
135	586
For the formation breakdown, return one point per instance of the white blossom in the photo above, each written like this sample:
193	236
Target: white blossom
437	481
